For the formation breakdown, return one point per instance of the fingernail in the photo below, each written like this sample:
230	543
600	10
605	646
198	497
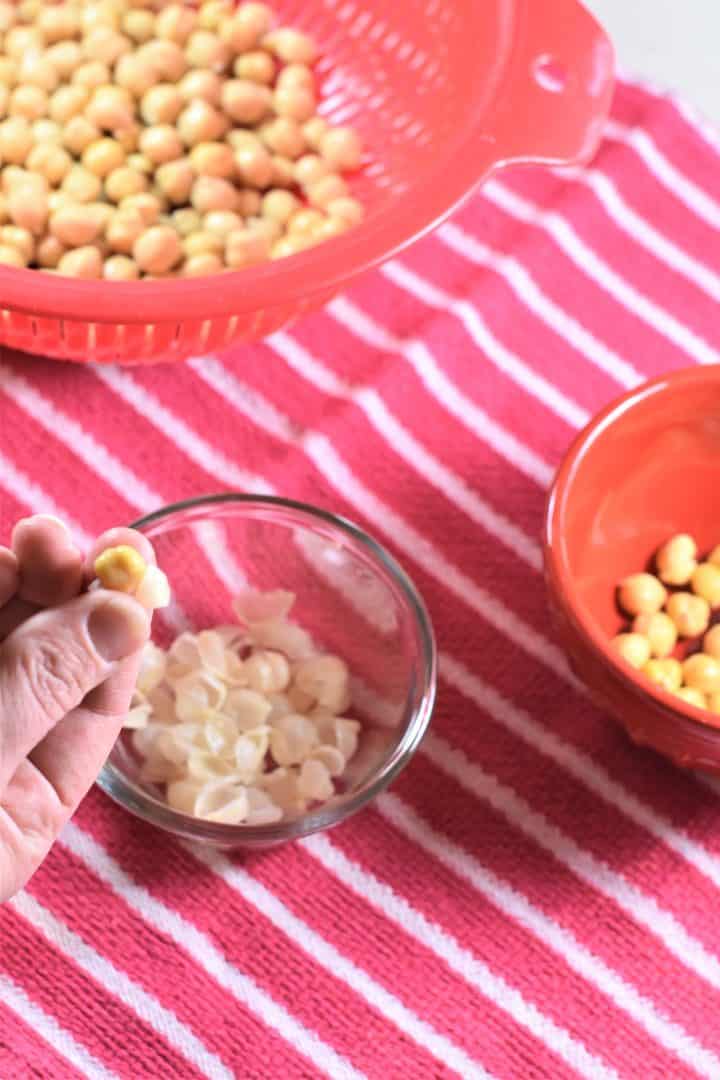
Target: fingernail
117	627
52	518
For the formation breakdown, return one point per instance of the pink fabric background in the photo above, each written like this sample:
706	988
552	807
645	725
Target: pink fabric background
535	897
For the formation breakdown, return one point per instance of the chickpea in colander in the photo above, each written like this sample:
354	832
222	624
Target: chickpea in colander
137	142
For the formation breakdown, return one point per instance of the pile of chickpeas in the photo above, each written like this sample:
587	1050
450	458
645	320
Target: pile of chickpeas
146	140
670	638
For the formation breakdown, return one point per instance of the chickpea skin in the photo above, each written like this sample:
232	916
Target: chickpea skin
157	250
28	209
200	86
200	122
82	262
76	226
208	51
175	180
81	185
213	193
50	161
161	143
284	136
124	181
78	134
102	156
691	614
176	23
213	159
161	104
16	140
68	101
676	560
246	102
641	594
256	66
166	58
255	166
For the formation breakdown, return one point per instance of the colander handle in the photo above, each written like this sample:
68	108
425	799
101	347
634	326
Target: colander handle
559	86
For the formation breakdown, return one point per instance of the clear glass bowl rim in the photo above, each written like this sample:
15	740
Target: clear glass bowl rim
113	782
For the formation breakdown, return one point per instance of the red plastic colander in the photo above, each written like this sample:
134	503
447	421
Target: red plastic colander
442	92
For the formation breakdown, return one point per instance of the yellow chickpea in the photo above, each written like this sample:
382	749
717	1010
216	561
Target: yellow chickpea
8	71
202	243
279	205
28	101
249	203
58	22
641	594
200	122
213	193
290	245
175	180
691	614
200	265
141	164
676	560
28	208
78	134
147	205
294	101
68	101
8	16
91	74
255	165
120	268
51	161
82	262
76	226
49	252
221	222
101	13
701	672
176	23
11	256
16	140
12	175
212	13
81	185
161	104
46	131
666	673
65	56
23	41
327	190
245	27
705	582
711	642
57	200
106	45
139	25
347	210
123	182
292	46
157	250
200	86
633	648
103	156
691	696
206	50
659	629
309	169
283	172
257	66
111	107
15	237
28	10
166	57
314	130
293	76
186	221
161	143
245	247
246	102
307	220
124	229
213	159
284	136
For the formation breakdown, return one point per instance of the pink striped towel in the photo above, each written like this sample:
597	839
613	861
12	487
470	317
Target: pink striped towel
535	897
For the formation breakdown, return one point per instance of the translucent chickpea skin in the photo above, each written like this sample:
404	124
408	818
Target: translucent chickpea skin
135	105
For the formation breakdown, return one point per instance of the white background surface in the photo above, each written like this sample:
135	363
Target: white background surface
675	43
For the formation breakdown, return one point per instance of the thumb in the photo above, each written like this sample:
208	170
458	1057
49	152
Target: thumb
50	662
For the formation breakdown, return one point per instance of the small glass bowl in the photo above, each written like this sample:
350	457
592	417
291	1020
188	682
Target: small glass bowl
352	597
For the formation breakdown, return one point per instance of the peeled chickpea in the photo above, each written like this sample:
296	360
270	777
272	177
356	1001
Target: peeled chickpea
256	66
81	185
106	45
111	107
205	263
186	221
711	642
246	102
78	134
705	582
139	25
16	140
691	614
124	229
124	181
691	696
293	76
221	222
292	46
200	122
161	104
676	560
327	190
166	58
702	673
201	243
176	22
91	74
102	156
11	256
314	130
641	594
279	205
68	101
309	169
76	226
255	165
49	252
15	237
147	205
213	159
295	102
206	50
175	180
82	262
161	143
284	136
50	161
157	250
200	86
213	193
348	210
120	268
667	673
659	629
244	247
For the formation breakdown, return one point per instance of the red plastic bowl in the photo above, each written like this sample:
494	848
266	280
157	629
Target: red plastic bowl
646	468
441	92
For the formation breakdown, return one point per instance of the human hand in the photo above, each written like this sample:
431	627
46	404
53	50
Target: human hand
68	663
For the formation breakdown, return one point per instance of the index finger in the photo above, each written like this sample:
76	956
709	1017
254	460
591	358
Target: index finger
116	537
